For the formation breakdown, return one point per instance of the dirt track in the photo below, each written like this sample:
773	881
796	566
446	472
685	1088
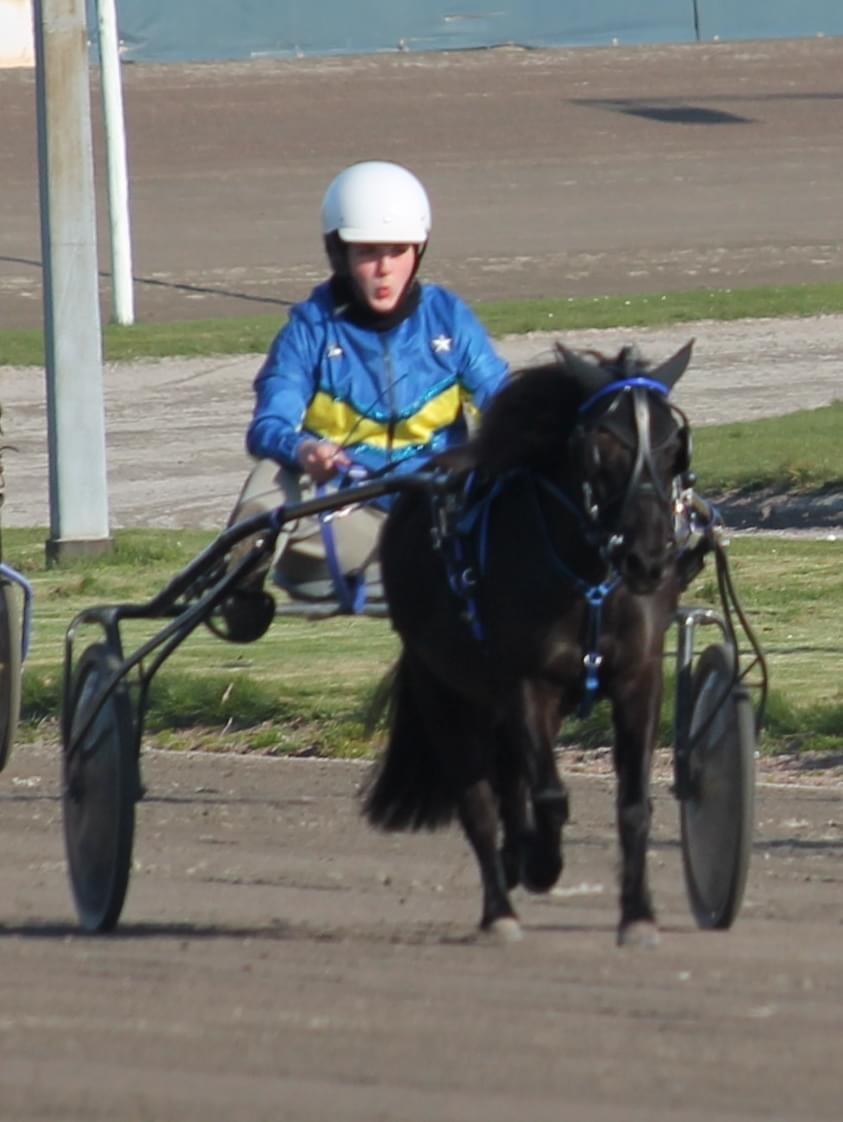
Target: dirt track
551	173
278	960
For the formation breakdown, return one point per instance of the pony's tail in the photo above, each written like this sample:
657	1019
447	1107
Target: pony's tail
408	789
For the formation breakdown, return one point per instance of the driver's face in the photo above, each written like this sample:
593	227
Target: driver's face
381	273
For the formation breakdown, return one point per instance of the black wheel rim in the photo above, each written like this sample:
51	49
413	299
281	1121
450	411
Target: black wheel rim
100	786
717	816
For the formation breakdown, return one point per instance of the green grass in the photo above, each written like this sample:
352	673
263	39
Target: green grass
193	338
246	335
800	451
658	309
306	687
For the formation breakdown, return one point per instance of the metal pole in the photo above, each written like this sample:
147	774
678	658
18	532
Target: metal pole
75	409
122	296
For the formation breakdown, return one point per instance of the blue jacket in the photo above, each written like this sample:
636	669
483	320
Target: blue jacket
388	397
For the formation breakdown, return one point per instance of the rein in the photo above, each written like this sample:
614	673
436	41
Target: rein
350	590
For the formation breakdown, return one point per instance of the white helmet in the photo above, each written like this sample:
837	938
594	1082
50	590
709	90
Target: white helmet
376	202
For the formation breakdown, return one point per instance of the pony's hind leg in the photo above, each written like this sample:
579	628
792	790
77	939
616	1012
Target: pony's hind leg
479	817
532	844
541	857
438	761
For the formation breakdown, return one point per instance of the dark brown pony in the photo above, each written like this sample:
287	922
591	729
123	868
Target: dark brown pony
544	581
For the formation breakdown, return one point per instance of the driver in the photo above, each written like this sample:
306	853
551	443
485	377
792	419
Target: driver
373	372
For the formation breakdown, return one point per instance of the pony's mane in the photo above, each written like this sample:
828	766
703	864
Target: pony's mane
531	418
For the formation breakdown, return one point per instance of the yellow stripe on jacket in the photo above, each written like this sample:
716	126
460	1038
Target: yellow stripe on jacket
342	424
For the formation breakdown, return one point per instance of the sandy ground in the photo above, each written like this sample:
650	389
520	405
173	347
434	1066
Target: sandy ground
277	959
551	173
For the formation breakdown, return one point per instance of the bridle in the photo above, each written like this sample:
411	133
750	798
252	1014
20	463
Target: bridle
643	480
461	521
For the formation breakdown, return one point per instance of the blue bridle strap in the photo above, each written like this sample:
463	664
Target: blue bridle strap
623	384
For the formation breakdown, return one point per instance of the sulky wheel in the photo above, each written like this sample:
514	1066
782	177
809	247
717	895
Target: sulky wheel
717	816
100	772
10	668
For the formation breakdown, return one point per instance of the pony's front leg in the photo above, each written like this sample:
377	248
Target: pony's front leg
479	818
542	858
514	812
635	724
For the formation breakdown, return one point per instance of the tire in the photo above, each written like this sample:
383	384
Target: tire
10	668
717	817
99	791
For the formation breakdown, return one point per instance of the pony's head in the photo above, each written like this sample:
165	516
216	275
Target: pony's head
628	448
602	430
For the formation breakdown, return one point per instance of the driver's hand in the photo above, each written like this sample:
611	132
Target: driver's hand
321	459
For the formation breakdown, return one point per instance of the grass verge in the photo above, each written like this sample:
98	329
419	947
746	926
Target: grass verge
306	688
797	452
253	334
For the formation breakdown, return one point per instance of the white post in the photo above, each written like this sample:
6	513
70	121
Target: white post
75	408
122	296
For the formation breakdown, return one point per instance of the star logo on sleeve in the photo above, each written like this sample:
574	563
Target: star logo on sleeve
334	350
441	344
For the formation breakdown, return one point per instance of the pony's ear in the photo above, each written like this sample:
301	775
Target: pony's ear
672	370
591	376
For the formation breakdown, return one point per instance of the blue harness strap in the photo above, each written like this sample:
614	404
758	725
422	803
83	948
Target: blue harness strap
472	524
473	521
595	597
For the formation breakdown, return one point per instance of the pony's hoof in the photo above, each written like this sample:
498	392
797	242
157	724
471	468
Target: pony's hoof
541	878
507	929
641	933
